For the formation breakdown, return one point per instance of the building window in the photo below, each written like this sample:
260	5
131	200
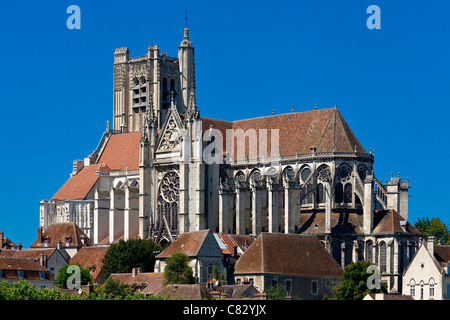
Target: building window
337	252
348	193
339	193
369	251
314	287
210	268
21	274
288	285
42	274
421	290
383	257
327	282
431	288
238	281
412	288
274	282
320	194
1	273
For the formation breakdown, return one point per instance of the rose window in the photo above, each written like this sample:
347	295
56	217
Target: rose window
170	187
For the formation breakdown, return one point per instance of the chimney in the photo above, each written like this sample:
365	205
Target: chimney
43	260
1	240
19	247
39	234
59	245
430	245
135	272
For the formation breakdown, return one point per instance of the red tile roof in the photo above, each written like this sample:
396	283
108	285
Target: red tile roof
59	232
442	254
388	221
186	291
11	266
91	257
325	129
188	243
288	254
120	150
77	187
229	241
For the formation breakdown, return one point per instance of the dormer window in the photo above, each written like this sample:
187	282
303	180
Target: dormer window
46	241
68	241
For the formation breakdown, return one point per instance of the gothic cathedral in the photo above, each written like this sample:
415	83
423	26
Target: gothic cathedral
163	170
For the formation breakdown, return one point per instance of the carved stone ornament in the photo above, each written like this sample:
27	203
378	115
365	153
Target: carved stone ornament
171	137
343	173
169	189
324	174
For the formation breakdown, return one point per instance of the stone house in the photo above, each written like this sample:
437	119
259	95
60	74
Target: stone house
427	276
202	249
65	236
298	263
50	258
141	282
91	258
16	269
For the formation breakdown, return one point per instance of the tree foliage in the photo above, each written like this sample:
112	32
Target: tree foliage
275	293
63	276
177	270
434	227
354	282
24	290
123	256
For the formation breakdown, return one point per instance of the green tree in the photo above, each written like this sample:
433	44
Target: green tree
219	276
122	257
63	276
353	285
114	288
275	293
177	270
434	227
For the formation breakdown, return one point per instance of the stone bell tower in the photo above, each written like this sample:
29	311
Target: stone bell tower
167	79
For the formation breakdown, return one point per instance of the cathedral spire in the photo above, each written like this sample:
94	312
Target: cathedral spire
192	112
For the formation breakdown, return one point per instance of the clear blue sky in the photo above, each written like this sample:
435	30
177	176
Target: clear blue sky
391	85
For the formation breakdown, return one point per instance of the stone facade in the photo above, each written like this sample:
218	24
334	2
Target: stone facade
427	277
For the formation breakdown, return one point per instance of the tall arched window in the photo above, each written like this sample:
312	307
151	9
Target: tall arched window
412	288
348	193
339	193
369	251
320	194
337	252
431	288
383	257
343	188
348	253
421	290
360	250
